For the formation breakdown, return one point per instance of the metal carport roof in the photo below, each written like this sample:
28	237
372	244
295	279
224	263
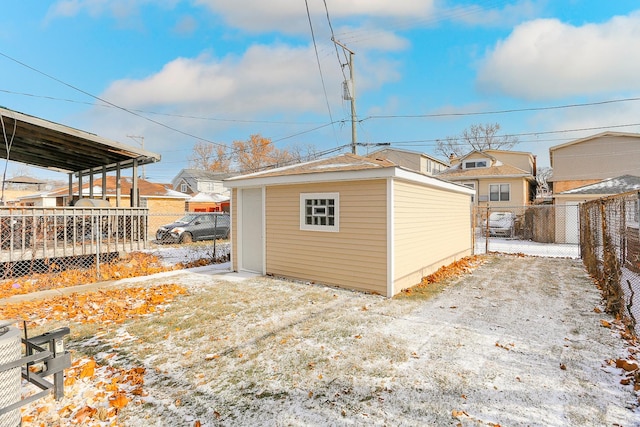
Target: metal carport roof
61	148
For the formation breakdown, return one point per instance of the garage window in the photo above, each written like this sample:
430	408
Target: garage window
320	211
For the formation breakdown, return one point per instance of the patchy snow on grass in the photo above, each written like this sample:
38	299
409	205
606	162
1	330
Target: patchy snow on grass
186	253
516	343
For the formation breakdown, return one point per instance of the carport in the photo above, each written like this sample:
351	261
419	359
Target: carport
36	238
34	141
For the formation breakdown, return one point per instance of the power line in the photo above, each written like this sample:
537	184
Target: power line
513	110
422	141
315	47
182	116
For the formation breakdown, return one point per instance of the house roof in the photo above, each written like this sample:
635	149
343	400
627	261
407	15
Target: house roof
477	173
147	189
409	152
24	180
346	167
61	148
344	162
620	184
588	138
203	197
204	174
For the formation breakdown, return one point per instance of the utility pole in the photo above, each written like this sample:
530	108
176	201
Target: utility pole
351	90
141	142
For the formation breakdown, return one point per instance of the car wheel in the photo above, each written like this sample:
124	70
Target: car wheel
186	237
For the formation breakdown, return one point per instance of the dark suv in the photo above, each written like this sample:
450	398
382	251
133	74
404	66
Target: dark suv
195	226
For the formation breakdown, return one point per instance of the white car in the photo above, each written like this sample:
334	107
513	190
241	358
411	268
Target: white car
501	224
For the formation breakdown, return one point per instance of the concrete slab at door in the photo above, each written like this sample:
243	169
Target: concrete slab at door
252	245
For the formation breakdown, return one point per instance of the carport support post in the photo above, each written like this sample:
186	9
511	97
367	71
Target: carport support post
118	186
134	185
104	183
79	187
70	199
91	183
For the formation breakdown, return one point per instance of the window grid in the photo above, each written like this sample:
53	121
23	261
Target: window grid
320	212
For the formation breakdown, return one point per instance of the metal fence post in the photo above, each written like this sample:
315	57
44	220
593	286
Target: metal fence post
486	233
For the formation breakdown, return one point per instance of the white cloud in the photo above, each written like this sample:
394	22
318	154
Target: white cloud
284	16
117	8
266	79
545	59
510	14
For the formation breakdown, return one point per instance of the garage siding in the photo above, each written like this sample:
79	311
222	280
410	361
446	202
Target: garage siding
354	258
432	228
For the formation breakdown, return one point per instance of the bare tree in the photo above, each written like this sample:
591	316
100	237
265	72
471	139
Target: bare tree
303	153
258	153
478	137
209	157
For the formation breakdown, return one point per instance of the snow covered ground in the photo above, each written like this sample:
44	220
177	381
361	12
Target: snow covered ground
515	343
514	246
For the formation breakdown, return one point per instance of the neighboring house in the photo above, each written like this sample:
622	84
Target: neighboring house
413	160
567	230
500	178
157	198
589	160
208	202
586	161
348	221
193	181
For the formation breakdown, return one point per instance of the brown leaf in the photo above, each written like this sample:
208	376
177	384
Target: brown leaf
118	401
458	414
88	369
626	365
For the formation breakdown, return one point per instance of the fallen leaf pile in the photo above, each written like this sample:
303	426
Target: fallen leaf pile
103	306
628	368
135	264
457	268
94	395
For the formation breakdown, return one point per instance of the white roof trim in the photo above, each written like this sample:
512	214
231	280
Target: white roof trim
351	175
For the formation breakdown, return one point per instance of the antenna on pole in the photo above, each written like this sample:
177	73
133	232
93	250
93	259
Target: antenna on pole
141	142
349	90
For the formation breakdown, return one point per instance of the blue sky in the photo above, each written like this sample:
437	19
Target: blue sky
178	72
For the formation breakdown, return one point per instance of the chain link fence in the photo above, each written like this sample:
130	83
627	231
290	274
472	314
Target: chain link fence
610	246
50	240
537	230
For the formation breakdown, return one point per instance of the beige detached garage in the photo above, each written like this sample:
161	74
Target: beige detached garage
348	221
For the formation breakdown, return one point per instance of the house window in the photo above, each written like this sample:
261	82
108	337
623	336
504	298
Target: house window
183	188
475	164
471	185
499	192
320	211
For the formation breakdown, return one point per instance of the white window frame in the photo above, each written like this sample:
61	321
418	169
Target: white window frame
471	185
320	196
184	188
475	164
500	199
